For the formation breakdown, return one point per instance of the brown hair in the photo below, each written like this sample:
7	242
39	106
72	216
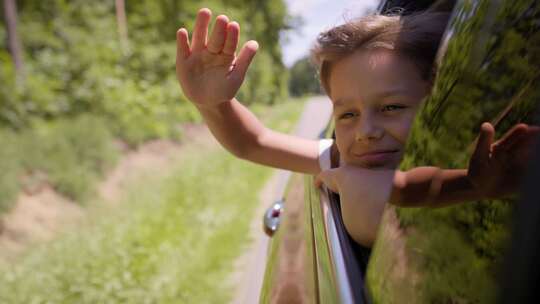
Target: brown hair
415	36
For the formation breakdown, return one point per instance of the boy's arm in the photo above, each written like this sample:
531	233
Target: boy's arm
211	74
432	187
494	172
240	132
363	195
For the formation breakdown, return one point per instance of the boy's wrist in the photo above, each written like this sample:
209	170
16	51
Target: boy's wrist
211	105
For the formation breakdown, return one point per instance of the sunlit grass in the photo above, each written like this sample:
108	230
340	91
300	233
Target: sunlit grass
173	238
172	241
70	154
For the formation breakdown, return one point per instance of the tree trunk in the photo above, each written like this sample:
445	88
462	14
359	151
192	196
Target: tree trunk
14	43
122	24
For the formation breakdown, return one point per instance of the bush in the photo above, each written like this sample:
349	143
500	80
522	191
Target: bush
75	63
73	153
303	79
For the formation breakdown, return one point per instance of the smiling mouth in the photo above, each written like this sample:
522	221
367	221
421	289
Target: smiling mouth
377	158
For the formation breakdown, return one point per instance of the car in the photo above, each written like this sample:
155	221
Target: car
487	70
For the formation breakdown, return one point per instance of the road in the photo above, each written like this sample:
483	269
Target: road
250	267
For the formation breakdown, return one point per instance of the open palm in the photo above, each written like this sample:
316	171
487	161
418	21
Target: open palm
208	70
496	168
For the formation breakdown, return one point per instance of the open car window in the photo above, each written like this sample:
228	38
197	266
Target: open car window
356	257
487	71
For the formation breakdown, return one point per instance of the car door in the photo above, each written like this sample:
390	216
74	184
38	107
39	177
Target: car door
311	258
488	70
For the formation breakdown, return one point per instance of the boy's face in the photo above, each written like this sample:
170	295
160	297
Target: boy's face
375	95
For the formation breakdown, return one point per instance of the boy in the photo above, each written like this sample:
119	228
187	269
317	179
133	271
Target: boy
376	70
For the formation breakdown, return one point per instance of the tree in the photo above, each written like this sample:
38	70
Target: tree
303	78
122	24
14	44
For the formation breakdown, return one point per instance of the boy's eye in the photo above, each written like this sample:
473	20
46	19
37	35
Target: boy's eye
347	115
392	107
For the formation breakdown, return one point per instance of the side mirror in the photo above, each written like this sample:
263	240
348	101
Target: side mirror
271	218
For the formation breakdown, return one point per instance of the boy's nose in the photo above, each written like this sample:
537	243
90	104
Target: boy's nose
368	129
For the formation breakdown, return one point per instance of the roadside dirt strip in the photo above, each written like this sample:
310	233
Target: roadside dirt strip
250	267
39	216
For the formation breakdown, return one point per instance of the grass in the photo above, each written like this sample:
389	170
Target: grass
172	241
70	154
170	244
73	154
10	167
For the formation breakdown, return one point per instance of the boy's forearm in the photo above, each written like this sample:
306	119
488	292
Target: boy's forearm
233	125
432	187
241	133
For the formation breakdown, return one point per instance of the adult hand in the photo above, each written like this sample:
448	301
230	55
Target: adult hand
208	69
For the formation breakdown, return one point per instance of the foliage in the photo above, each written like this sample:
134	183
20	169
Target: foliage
176	243
11	168
70	154
76	64
164	250
81	83
303	78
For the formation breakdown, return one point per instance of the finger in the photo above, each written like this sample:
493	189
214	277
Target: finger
531	135
483	145
219	33
231	42
318	182
200	32
533	131
182	45
328	178
510	138
523	147
244	58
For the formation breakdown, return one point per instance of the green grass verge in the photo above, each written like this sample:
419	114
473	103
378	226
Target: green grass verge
73	154
70	154
173	240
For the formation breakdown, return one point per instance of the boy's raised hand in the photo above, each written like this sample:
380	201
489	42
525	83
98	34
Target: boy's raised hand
208	69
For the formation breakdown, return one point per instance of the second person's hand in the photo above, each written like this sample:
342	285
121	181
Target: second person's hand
208	70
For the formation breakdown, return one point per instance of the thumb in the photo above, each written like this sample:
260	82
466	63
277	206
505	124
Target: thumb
327	177
483	145
244	59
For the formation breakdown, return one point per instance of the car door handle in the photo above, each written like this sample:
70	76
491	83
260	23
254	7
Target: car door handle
272	217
